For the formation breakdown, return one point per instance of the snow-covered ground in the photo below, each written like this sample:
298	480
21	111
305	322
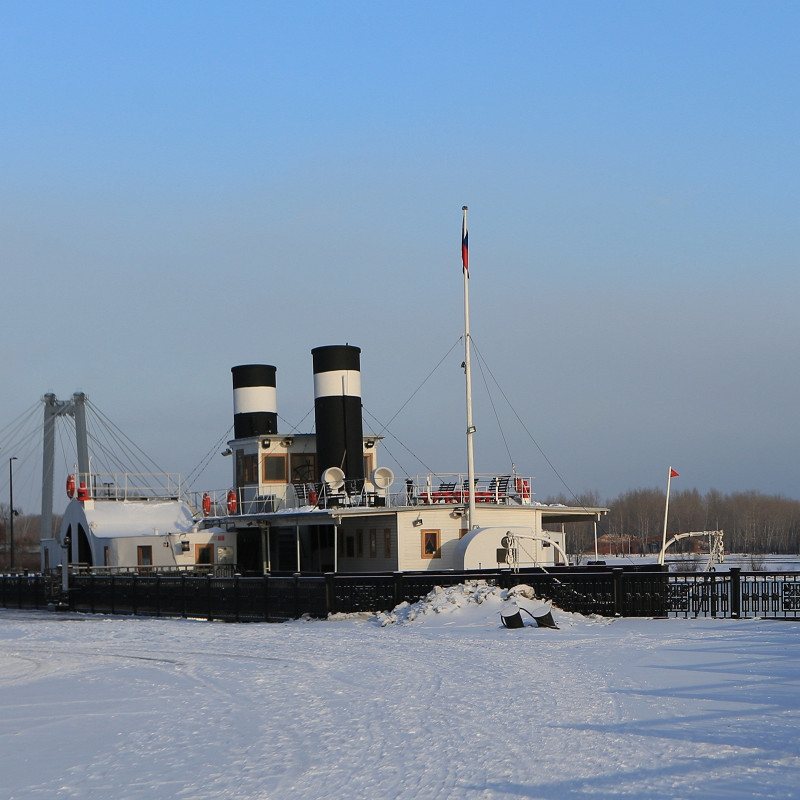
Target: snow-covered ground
435	700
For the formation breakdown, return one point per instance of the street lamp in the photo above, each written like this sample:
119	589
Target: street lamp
11	509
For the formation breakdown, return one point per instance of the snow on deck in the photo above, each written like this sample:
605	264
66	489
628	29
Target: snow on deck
435	701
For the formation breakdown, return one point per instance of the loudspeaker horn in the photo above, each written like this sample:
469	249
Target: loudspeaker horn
334	477
382	477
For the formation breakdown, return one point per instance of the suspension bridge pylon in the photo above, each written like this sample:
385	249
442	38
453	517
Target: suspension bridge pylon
54	408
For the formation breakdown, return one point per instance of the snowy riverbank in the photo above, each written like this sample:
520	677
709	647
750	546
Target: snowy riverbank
443	704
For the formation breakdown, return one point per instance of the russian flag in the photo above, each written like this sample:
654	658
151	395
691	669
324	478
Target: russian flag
465	243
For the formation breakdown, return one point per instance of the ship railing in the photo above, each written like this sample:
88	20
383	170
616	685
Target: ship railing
454	488
428	489
250	500
150	570
126	486
246	500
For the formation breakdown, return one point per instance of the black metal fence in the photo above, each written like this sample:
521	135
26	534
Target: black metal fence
618	591
735	594
25	591
613	592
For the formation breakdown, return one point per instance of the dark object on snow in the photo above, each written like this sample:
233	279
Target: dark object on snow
545	620
513	619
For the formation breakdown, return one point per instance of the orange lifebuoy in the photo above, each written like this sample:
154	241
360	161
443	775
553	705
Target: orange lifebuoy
206	504
232	502
70	486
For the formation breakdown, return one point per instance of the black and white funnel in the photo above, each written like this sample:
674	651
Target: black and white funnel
255	407
337	409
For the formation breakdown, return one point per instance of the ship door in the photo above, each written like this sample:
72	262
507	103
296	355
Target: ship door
84	549
249	554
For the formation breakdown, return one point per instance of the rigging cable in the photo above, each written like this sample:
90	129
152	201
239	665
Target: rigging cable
195	474
427	377
481	364
405	447
385	426
536	444
296	428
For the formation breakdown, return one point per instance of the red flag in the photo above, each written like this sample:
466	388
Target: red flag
465	243
672	473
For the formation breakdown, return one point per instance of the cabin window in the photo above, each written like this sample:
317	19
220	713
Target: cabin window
368	462
246	468
106	557
359	543
373	543
224	554
431	542
304	467
204	554
144	555
273	469
387	543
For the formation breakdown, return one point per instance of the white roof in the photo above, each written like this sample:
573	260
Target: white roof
117	518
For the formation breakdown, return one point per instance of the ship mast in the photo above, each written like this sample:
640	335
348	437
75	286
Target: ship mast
471	522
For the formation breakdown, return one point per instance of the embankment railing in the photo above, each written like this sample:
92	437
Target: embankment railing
604	591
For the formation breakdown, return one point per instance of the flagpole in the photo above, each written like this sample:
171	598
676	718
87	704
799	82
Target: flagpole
666	512
468	376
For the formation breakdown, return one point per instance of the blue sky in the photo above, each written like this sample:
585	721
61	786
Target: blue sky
190	186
